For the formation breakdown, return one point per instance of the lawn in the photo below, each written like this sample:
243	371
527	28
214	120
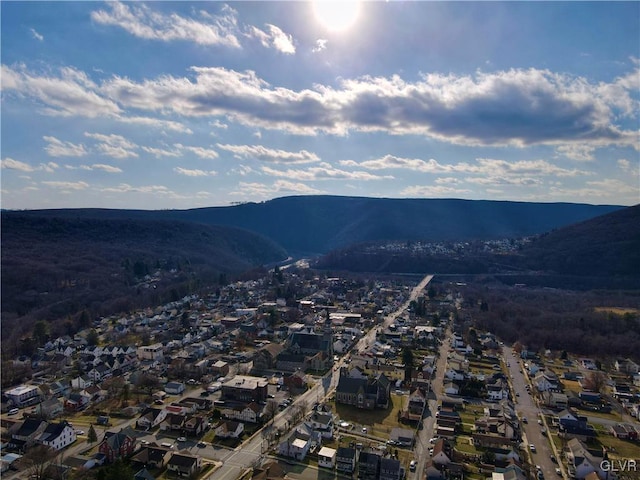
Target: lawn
617	448
379	422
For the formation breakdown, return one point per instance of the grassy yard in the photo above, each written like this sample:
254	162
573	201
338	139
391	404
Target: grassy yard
379	422
617	448
465	445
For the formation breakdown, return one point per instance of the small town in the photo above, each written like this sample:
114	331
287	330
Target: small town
334	378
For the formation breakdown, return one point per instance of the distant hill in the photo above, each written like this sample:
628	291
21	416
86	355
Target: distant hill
607	245
318	224
54	267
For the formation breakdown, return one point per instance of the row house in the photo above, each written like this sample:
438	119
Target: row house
299	442
346	460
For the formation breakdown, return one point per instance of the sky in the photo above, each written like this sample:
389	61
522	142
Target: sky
175	105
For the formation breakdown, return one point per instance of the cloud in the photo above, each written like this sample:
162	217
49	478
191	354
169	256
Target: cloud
582	153
36	35
433	191
321	44
246	189
115	146
624	165
274	37
70	94
265	154
49	167
156	190
323	172
486	167
517	107
200	152
194	173
67	185
58	148
157	123
143	22
162	152
96	166
11	164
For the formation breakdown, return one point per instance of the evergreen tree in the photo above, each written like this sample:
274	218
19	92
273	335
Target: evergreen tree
92	436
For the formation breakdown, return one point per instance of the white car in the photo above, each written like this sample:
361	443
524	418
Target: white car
181	439
412	465
79	432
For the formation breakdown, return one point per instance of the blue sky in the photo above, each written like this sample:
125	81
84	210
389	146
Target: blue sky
178	105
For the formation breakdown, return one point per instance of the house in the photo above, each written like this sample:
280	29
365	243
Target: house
57	435
369	393
151	418
497	391
327	457
77	401
173	421
566	415
152	456
220	368
174	388
194	425
451	388
269	471
266	357
26	434
117	445
143	474
416	405
50	408
153	352
580	429
581	461
512	472
251	412
368	466
624	431
323	423
626	366
441	453
546	381
81	382
229	429
402	436
390	469
298	443
346	459
555	400
184	464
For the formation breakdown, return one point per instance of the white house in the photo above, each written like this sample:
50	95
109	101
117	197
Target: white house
245	413
451	388
230	429
298	443
174	388
151	418
545	381
323	423
581	461
24	395
57	435
327	457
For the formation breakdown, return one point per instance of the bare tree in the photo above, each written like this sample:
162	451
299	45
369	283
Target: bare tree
38	459
595	381
270	409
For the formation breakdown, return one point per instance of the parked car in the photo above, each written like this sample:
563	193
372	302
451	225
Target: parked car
412	465
182	439
13	411
532	447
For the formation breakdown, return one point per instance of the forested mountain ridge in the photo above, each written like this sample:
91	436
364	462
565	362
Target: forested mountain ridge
319	224
55	267
607	246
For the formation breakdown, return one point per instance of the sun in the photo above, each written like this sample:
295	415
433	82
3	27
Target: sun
336	16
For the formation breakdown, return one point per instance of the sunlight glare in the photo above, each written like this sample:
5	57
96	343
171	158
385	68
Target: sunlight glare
336	16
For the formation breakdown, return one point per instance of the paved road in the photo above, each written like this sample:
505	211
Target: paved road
428	423
527	408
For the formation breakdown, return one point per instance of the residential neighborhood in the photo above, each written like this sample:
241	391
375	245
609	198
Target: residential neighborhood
376	379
